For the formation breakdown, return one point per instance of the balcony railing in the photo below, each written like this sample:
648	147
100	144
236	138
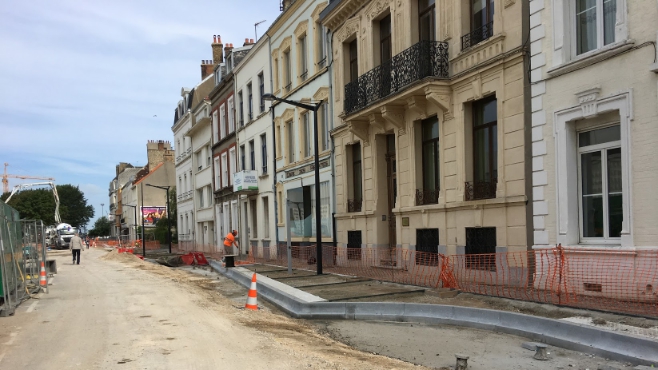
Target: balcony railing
480	190
427	196
478	35
184	155
424	59
354	205
322	63
287	88
184	196
304	75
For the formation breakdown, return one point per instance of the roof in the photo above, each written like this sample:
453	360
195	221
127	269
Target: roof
141	175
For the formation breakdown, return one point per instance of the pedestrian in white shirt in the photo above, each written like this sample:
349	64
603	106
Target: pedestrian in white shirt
76	247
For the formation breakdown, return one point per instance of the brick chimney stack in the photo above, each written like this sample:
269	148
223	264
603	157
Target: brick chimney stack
248	41
227	50
207	68
217	50
285	4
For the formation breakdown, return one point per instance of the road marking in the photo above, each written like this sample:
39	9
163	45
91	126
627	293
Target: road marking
32	306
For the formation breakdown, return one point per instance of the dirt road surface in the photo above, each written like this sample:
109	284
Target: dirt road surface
116	312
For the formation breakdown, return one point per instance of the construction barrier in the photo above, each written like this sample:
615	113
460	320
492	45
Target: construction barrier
616	281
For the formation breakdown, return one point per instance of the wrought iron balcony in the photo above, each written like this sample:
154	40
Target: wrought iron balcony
424	59
480	190
354	205
427	196
478	35
304	75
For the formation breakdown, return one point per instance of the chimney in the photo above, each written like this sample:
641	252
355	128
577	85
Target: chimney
217	50
206	68
227	50
285	4
248	41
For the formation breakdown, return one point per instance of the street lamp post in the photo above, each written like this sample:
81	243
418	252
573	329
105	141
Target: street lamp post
135	222
102	211
318	221
168	210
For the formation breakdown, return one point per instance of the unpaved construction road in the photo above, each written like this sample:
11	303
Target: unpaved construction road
116	312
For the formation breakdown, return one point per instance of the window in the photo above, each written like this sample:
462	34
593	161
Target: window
242	157
200	195
427	247
252	155
354	242
224	170
254	219
385	42
321	53
185	177
354	204
301	204
275	71
481	15
287	71
354	62
241	109
234	215
601	211
250	102
180	186
231	165
208	156
430	162
215	126
302	58
261	90
218	178
199	160
291	141
426	20
263	151
222	121
595	24
308	135
481	248
226	213
485	150
266	217
231	115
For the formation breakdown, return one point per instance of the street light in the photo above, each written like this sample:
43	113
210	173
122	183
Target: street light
102	204
135	222
168	210
318	222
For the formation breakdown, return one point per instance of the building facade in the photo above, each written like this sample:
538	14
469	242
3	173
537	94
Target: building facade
594	135
431	142
224	148
300	61
125	172
255	168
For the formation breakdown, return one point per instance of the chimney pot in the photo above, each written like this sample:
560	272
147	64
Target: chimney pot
251	40
214	39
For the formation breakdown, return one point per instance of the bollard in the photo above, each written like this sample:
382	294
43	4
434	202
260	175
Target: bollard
540	353
461	362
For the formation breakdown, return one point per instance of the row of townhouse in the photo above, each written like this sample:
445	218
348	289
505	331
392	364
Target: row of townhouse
454	127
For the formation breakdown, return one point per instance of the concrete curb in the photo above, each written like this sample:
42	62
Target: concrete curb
562	334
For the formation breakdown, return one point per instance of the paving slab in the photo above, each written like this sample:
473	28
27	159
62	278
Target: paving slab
321	280
359	290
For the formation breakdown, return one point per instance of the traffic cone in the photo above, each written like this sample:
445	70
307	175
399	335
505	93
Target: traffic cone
252	300
42	276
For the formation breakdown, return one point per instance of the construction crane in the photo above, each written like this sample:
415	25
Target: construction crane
20	187
6	176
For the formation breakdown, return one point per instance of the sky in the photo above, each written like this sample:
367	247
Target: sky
85	85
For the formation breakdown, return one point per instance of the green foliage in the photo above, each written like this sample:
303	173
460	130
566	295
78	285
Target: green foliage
73	206
101	227
37	204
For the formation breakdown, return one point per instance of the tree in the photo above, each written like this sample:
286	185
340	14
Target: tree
73	206
34	204
161	226
101	227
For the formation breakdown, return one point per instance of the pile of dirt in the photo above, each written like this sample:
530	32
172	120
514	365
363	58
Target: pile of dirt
121	257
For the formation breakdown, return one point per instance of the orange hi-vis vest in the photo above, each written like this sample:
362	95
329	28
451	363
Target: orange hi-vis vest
229	240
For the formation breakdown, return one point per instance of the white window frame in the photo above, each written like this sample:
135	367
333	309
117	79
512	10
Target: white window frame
234	215
200	193
222	121
224	170
232	165
566	168
564	32
215	126
308	139
225	219
231	120
218	177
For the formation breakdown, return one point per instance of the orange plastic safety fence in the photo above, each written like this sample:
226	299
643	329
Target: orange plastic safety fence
618	281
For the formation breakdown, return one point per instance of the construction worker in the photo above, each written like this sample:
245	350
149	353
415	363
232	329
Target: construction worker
76	247
230	241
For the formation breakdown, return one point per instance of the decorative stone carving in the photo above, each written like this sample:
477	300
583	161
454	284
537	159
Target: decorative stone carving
301	28
321	94
439	95
318	9
376	8
288	114
509	3
417	104
588	101
360	130
285	44
350	28
394	115
376	123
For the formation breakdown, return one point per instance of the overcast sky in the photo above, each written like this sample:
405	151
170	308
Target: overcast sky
85	84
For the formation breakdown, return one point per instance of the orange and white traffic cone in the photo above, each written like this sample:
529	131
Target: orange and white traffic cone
42	276
252	300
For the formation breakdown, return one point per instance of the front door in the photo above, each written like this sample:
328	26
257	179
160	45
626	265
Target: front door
392	183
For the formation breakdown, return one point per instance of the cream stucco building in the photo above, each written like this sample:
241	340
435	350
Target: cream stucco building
594	137
431	137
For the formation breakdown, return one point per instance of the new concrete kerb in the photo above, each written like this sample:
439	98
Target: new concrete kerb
572	336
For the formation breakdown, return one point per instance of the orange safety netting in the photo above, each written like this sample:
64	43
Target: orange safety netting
617	281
